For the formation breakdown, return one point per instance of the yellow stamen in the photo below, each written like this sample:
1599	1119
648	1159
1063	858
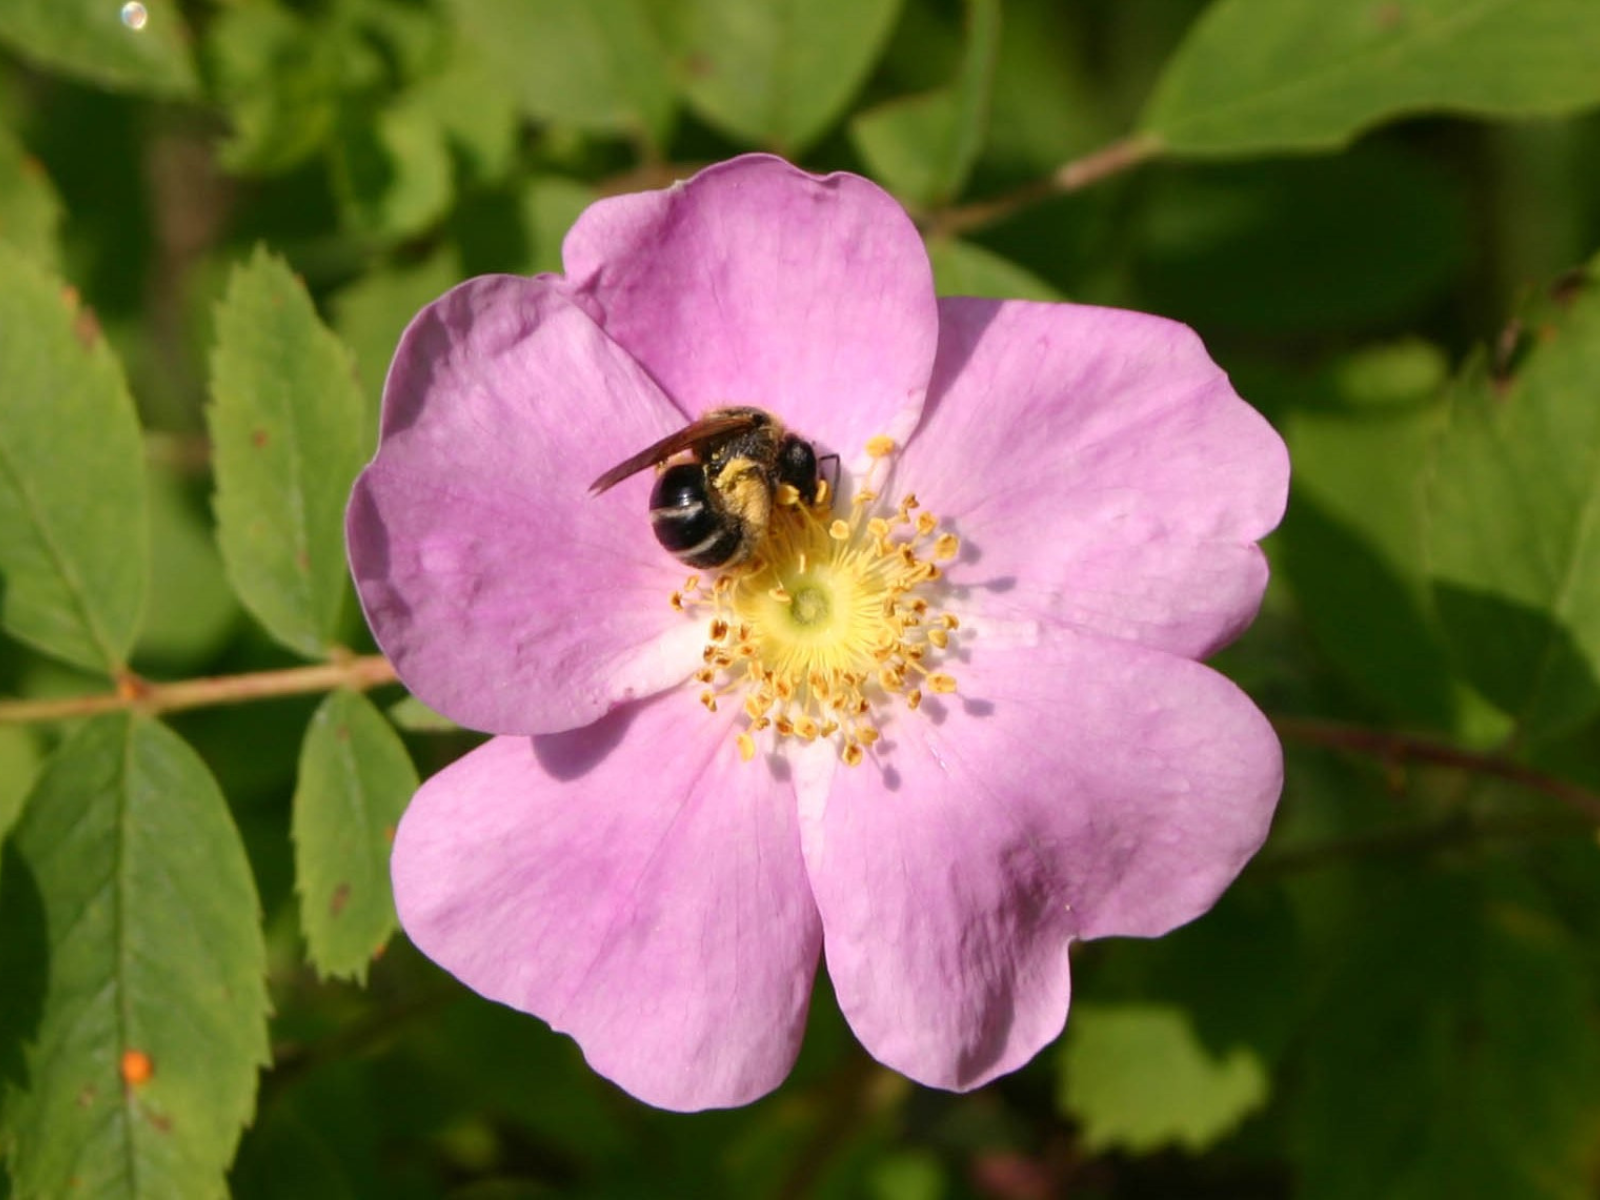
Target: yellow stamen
831	619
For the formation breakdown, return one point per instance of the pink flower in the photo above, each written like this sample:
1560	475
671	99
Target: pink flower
658	879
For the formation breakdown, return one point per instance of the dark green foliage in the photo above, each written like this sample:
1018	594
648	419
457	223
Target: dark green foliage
213	228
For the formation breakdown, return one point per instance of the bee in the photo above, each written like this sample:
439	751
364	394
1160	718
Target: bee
712	509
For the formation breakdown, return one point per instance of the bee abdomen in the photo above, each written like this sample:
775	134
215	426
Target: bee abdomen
685	522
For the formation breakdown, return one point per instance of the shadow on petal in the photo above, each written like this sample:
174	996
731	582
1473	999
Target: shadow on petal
367	547
576	752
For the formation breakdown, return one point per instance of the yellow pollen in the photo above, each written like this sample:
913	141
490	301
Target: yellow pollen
833	618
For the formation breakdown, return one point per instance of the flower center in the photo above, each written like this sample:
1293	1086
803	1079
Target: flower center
828	622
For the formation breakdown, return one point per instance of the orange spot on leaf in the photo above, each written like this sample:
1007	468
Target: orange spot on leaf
1389	16
136	1068
86	326
341	897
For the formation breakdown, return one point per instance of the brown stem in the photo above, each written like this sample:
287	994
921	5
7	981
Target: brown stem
1119	156
1441	835
1404	747
346	670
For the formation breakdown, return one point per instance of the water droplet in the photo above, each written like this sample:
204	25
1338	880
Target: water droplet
135	15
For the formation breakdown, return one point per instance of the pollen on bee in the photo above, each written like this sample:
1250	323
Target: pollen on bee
834	616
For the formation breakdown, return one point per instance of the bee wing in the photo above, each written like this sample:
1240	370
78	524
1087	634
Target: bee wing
687	438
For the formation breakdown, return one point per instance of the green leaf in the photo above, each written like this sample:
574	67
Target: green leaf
1455	1054
192	609
479	118
1045	108
775	72
414	716
278	77
909	1175
391	170
19	760
102	42
1351	544
968	269
1369	238
286	429
355	780
1258	75
30	209
595	66
1138	1079
409	41
550	205
130	869
74	547
922	147
1513	527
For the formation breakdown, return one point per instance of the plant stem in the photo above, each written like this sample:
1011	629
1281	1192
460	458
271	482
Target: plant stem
1456	830
1119	156
1405	747
359	672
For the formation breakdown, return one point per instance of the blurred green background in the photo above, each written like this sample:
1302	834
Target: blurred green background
1377	214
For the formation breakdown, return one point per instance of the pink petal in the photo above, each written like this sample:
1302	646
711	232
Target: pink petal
507	596
1080	787
635	885
1101	472
756	283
